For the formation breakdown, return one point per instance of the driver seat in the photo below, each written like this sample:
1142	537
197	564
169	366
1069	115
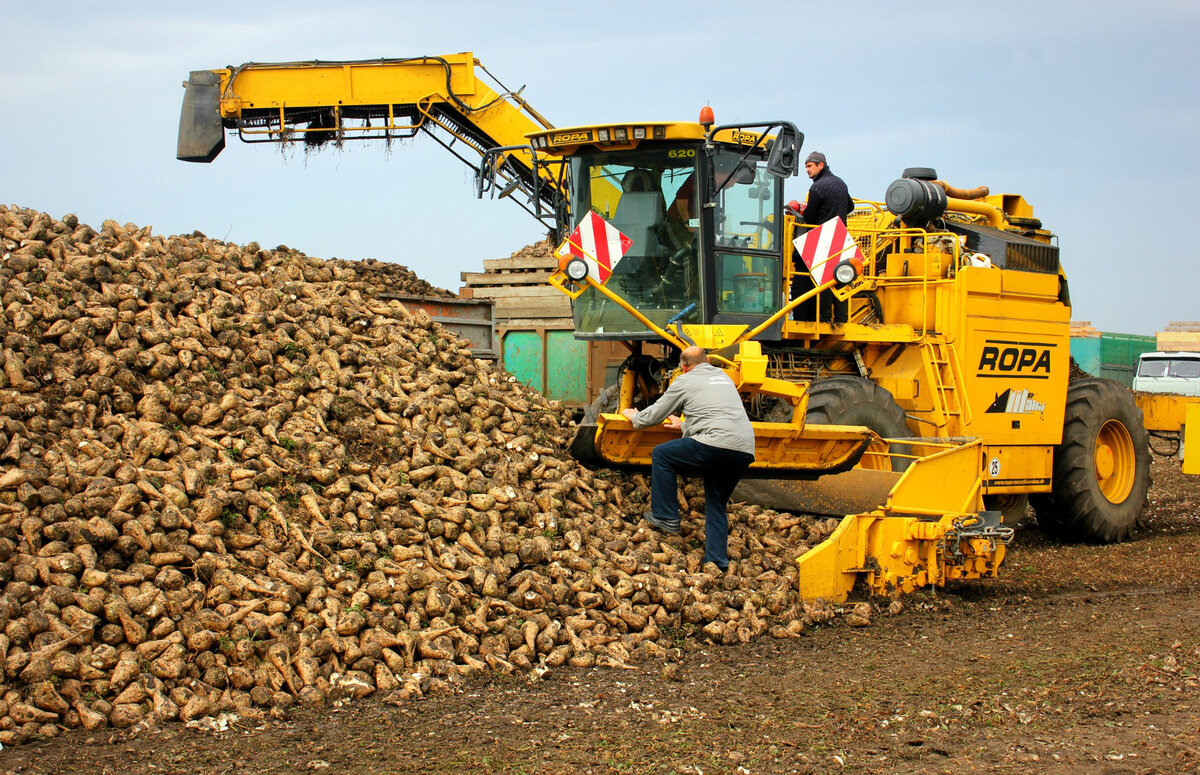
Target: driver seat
639	210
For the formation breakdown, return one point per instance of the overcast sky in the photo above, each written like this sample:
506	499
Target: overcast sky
1089	110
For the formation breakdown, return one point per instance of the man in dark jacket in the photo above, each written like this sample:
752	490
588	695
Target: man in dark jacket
827	197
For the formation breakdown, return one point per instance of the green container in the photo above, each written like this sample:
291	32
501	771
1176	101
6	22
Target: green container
1113	356
551	362
1086	352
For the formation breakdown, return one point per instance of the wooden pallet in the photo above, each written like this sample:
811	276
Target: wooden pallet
519	264
518	286
1083	328
1179	336
512	279
1177	341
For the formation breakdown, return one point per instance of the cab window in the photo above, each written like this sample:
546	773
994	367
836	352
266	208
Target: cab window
747	284
1153	367
649	196
1187	369
746	200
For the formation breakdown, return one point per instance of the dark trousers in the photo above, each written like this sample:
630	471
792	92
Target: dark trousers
832	310
721	470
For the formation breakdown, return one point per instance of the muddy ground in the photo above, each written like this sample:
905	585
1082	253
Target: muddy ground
1080	659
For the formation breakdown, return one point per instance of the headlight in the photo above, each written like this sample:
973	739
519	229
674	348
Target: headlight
845	273
639	133
577	269
620	135
602	135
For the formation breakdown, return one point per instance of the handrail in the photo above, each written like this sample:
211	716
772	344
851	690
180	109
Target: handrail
875	243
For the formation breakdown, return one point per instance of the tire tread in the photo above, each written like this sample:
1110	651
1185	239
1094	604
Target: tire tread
1076	508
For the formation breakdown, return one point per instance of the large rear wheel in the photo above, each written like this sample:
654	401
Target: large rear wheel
1012	508
1102	467
850	400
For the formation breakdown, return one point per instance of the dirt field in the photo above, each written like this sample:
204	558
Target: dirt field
1081	659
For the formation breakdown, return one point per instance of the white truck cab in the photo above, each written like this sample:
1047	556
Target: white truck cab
1168	372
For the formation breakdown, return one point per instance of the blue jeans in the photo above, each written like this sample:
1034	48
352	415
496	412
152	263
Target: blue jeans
721	469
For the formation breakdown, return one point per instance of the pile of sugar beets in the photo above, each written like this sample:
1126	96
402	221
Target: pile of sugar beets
233	479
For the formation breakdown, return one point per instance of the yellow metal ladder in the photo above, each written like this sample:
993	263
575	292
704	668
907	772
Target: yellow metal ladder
944	375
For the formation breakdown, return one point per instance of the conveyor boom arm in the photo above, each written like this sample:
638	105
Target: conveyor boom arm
445	97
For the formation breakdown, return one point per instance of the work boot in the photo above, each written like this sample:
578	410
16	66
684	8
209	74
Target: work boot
662	525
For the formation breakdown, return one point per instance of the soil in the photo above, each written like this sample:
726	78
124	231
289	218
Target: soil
1079	659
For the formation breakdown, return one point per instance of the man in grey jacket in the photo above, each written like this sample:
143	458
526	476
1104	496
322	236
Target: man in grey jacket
717	444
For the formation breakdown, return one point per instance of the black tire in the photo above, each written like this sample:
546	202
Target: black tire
850	400
1102	467
1013	508
772	409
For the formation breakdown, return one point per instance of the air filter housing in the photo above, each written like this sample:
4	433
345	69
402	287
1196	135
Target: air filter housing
916	200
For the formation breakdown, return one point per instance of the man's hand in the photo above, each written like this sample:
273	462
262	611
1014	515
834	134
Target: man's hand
629	413
675	422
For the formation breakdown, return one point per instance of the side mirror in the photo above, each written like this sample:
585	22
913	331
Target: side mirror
725	176
784	159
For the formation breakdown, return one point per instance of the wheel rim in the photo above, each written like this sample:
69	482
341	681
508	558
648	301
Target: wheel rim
1115	462
879	462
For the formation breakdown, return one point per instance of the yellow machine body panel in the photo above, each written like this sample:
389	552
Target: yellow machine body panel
931	529
1015	367
1191	441
420	82
626	136
381	82
780	449
1165	412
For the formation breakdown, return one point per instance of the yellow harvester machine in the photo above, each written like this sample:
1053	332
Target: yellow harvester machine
929	420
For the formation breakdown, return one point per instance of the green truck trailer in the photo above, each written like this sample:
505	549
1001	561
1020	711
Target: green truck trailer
1109	355
543	354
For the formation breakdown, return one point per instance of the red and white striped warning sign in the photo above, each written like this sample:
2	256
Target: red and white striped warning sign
599	243
826	246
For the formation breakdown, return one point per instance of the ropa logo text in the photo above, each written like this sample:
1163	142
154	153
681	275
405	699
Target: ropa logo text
745	138
571	137
1015	360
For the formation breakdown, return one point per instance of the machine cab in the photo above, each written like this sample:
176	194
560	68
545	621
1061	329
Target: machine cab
704	214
